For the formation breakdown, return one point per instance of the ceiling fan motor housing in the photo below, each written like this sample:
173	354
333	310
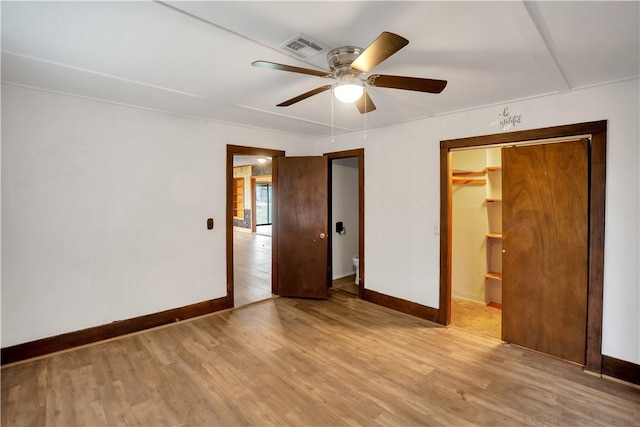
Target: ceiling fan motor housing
340	60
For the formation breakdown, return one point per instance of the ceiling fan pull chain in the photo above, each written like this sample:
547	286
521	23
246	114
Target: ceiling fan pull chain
332	138
365	116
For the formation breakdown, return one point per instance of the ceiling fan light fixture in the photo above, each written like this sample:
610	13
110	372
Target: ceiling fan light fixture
348	93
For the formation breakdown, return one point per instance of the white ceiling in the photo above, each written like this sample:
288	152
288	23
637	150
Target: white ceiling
239	160
194	58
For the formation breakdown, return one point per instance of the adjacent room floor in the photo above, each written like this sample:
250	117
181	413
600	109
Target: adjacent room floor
251	265
346	284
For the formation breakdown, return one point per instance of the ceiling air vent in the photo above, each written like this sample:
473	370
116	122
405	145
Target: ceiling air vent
302	47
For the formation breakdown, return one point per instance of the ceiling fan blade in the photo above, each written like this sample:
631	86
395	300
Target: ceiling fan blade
407	83
365	104
383	47
304	96
282	67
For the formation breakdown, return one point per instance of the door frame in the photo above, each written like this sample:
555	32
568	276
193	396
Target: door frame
233	150
359	153
597	190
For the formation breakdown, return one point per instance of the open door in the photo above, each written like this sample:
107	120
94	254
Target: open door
545	247
302	220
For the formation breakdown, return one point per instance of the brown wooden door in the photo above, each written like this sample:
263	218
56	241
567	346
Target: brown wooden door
302	220
545	229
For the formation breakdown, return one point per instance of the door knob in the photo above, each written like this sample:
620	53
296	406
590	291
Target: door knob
322	235
504	251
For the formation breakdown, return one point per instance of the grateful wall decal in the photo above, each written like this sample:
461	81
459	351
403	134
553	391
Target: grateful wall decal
507	120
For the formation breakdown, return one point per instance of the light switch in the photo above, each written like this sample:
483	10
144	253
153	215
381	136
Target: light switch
210	224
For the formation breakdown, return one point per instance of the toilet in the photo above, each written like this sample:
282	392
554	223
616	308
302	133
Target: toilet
356	264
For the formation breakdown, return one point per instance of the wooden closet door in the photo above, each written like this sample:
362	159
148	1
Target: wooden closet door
545	248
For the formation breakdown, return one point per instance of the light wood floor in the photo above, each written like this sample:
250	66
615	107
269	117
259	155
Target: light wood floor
251	267
286	361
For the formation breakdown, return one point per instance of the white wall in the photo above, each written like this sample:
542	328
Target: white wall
344	202
104	211
469	229
402	170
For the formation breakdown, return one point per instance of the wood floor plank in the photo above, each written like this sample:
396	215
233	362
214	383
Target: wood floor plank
283	361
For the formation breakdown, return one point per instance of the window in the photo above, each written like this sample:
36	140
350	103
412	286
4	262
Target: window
264	195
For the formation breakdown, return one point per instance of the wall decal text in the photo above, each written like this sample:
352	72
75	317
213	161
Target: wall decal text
507	120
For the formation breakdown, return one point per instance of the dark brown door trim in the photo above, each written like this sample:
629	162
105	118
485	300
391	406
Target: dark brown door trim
248	151
359	153
597	181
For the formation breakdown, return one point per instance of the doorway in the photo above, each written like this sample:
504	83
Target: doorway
249	244
343	220
595	211
476	223
303	225
294	202
346	221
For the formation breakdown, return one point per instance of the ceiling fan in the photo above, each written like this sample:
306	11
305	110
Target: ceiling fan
349	64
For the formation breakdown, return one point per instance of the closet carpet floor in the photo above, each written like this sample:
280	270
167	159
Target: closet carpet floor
476	317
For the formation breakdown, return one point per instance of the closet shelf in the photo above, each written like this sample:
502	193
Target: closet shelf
493	275
460	172
458	180
465	177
